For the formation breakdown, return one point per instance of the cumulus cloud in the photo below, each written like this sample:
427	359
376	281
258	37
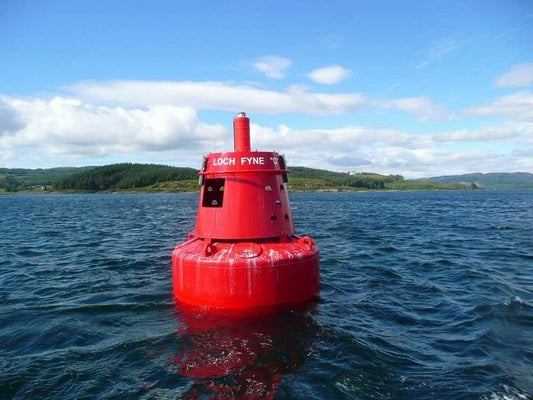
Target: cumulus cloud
329	75
348	161
517	106
104	122
392	151
348	139
74	129
489	133
217	96
231	97
9	118
69	131
356	147
520	75
65	130
274	67
423	107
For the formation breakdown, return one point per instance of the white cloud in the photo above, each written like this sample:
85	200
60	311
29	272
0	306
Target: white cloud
230	97
329	75
66	128
217	96
101	123
347	139
520	75
348	161
423	107
439	50
517	106
392	151
67	131
490	133
9	118
352	147
274	67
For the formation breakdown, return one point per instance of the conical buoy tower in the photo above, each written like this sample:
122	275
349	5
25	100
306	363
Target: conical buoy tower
244	252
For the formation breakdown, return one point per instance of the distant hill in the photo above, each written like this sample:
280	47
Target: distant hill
17	179
332	179
124	176
500	180
302	178
162	178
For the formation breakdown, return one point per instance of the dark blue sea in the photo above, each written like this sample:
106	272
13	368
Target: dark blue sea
424	295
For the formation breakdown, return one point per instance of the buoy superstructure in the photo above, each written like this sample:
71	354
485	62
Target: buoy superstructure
244	252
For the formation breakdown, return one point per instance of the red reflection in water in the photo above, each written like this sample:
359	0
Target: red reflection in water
240	356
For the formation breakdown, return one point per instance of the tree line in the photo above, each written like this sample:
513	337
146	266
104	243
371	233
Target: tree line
20	179
358	180
129	176
123	176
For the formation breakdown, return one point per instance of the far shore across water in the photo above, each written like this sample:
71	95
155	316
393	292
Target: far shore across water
153	178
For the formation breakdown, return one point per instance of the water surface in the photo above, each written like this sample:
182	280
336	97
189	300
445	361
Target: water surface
424	295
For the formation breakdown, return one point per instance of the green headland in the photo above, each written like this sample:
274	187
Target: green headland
128	177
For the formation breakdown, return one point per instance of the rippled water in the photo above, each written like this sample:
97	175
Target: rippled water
423	296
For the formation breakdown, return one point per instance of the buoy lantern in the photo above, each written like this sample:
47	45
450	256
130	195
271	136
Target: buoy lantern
244	252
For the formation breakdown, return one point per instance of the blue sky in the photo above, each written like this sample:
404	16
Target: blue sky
418	88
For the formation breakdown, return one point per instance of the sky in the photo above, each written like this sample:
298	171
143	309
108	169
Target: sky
417	88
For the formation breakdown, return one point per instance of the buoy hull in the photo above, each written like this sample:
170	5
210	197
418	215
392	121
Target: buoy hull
243	275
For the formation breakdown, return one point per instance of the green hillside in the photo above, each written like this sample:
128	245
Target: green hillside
502	180
19	179
309	179
162	178
342	179
123	177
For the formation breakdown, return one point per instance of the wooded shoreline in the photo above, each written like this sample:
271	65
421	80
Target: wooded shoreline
154	178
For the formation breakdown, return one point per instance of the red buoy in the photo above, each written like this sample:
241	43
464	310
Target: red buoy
244	252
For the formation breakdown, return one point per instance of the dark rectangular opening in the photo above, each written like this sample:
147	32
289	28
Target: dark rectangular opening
213	192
